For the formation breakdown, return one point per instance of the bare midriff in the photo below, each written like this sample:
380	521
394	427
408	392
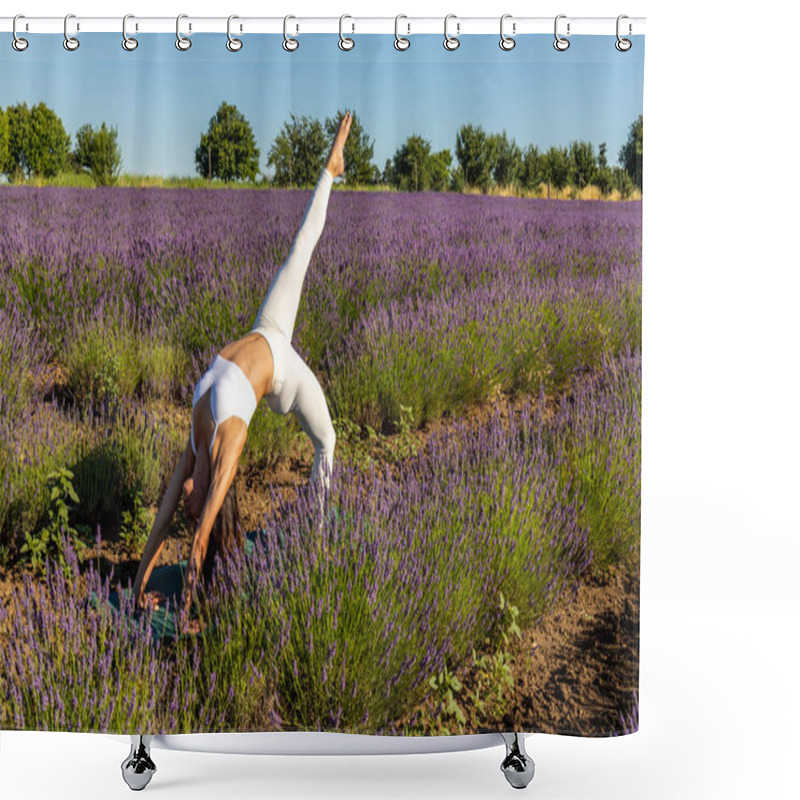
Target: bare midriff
253	356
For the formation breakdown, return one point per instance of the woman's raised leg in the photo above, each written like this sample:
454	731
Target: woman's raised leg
279	309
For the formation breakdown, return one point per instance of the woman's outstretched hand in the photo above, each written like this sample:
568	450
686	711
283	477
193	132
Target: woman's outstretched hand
336	158
150	600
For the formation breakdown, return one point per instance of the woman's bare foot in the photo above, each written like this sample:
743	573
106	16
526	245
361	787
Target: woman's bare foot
336	158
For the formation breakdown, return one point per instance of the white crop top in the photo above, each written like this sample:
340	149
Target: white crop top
232	395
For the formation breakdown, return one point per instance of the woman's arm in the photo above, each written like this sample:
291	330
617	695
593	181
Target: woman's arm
230	439
158	533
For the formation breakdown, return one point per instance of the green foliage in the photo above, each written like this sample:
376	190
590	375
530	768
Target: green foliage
4	136
298	152
584	163
557	166
508	166
37	142
137	519
623	182
631	153
415	168
476	153
605	181
269	438
230	144
358	150
459	708
47	541
534	169
98	153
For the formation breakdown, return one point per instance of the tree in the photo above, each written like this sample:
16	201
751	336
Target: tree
584	163
298	152
534	168
557	167
230	146
3	141
37	141
440	170
476	152
98	153
605	181
411	166
508	161
630	154
358	150
623	182
602	158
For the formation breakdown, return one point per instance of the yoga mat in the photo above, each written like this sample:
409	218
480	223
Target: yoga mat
167	579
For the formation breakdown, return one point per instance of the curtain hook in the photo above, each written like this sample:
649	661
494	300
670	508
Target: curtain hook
561	43
233	44
623	45
506	42
451	42
401	42
345	42
128	42
181	42
289	42
70	42
18	43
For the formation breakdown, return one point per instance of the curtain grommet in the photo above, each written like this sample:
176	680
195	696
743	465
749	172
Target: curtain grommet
233	44
451	43
622	44
290	44
70	43
561	43
183	43
17	42
128	42
507	43
401	43
345	42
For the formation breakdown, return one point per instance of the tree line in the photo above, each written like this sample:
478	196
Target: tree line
33	142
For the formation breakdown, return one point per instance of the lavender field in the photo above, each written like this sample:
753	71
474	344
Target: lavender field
490	346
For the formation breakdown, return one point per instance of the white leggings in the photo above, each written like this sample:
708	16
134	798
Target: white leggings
295	388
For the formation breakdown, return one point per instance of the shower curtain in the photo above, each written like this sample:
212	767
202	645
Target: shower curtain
471	312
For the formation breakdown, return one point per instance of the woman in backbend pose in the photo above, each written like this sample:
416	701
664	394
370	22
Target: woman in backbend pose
260	364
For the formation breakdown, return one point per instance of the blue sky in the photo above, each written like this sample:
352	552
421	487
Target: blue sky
161	99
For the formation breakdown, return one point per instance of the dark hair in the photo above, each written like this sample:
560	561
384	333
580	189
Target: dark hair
226	535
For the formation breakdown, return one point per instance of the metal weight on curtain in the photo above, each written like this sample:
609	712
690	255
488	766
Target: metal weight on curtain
401	42
561	44
451	42
506	42
70	42
233	44
290	44
181	42
345	42
128	42
19	44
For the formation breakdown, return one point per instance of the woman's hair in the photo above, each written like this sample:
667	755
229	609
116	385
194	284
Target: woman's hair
227	533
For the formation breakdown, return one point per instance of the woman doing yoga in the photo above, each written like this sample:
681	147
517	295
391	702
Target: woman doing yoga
262	363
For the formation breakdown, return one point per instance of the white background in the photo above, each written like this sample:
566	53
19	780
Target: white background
719	700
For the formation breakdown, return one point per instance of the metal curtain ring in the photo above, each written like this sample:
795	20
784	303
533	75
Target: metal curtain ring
233	44
70	42
181	42
450	42
18	43
506	42
289	43
128	42
345	42
561	43
401	42
623	45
